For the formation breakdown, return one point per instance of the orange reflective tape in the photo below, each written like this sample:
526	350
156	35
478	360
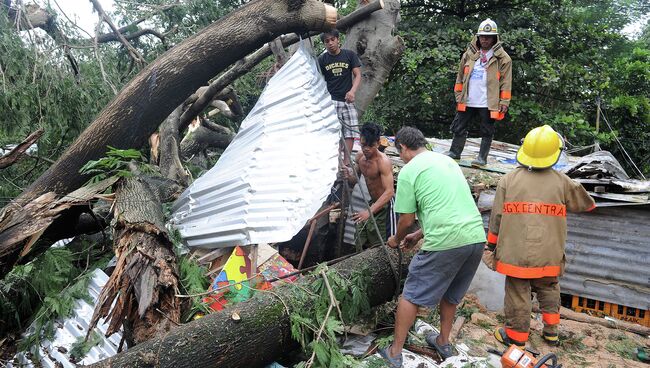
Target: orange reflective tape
551	318
527	272
498	76
534	208
492	238
458	87
593	206
497	115
461	107
466	69
505	95
516	335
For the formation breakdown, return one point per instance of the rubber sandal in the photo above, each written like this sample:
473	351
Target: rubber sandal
445	351
395	362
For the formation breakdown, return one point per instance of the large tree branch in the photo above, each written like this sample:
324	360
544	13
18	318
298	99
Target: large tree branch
108	37
132	51
17	152
358	15
170	163
240	68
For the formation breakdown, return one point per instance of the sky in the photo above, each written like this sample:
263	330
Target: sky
81	11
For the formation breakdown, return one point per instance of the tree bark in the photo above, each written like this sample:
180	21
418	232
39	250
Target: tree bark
141	292
379	49
17	152
170	163
217	340
206	135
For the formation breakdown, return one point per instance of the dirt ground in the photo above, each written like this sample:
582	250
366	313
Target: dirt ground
582	344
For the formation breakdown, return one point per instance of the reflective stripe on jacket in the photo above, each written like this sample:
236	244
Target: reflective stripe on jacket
528	221
499	78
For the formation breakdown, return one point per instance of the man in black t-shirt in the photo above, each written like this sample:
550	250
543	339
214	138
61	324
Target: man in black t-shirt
342	71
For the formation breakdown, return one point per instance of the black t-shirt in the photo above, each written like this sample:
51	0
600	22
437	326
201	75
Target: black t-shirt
337	70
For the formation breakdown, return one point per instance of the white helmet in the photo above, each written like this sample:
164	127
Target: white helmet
487	28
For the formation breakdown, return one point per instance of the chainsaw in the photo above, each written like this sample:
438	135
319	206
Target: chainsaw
517	357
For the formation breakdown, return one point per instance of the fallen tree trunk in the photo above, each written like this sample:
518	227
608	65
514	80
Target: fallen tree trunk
567	313
136	112
141	292
218	340
358	15
379	49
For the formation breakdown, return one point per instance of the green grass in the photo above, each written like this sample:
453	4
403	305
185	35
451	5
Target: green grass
622	345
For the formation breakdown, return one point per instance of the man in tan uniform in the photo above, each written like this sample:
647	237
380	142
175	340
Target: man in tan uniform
482	89
528	231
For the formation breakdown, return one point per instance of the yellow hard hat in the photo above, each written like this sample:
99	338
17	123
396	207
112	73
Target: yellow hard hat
487	28
541	148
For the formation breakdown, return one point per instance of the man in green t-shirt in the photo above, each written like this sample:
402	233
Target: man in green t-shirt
433	187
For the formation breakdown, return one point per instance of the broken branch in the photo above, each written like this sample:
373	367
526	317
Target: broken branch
132	51
359	14
240	68
17	152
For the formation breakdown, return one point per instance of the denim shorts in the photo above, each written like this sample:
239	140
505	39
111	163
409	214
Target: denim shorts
437	274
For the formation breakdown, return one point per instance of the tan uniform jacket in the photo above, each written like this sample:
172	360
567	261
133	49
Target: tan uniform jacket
499	78
528	221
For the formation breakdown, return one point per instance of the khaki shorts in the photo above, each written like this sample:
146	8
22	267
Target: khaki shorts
441	274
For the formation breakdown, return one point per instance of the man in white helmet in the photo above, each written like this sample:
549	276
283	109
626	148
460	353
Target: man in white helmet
482	88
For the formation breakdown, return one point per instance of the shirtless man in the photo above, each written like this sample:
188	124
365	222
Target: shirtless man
378	172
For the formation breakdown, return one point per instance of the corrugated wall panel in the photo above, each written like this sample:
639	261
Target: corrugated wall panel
608	255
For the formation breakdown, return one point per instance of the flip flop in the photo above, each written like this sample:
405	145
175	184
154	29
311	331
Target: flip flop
395	362
445	351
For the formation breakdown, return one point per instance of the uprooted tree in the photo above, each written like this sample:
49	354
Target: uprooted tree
166	96
133	115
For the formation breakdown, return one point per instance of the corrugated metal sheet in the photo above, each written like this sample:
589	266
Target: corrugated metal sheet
608	256
357	204
277	171
56	353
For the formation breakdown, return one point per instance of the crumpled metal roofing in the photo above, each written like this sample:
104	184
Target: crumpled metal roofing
276	172
55	353
357	204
